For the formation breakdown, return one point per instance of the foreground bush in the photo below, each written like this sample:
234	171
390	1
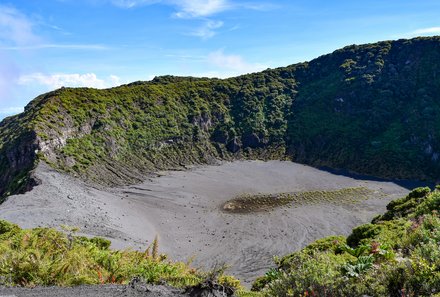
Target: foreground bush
398	254
44	256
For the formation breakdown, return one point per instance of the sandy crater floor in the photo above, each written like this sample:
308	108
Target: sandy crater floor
184	208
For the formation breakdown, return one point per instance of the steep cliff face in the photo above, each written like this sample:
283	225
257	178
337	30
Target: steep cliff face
18	147
371	108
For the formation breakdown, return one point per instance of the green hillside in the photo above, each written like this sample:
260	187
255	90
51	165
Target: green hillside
371	109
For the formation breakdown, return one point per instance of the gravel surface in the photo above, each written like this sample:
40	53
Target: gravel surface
135	289
184	209
88	291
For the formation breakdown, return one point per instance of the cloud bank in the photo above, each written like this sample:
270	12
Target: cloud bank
429	31
54	81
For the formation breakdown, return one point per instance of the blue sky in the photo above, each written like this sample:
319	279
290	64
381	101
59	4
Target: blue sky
47	44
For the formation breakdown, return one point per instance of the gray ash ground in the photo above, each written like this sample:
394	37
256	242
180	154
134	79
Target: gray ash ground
184	209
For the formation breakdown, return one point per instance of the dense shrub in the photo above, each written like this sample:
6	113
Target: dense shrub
363	232
396	255
48	257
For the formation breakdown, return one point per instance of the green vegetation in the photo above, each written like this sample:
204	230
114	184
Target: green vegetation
248	203
374	115
398	254
48	257
371	109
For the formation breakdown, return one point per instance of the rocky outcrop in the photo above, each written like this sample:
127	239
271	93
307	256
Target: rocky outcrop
234	145
17	159
252	140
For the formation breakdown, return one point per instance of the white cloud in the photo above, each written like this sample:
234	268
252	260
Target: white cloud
234	63
189	9
54	81
432	30
15	28
186	8
424	32
200	8
115	80
133	3
11	110
16	33
197	9
207	30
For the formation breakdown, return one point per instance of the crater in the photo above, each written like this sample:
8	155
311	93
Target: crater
241	213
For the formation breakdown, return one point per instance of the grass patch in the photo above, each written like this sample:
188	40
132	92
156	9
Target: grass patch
248	203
